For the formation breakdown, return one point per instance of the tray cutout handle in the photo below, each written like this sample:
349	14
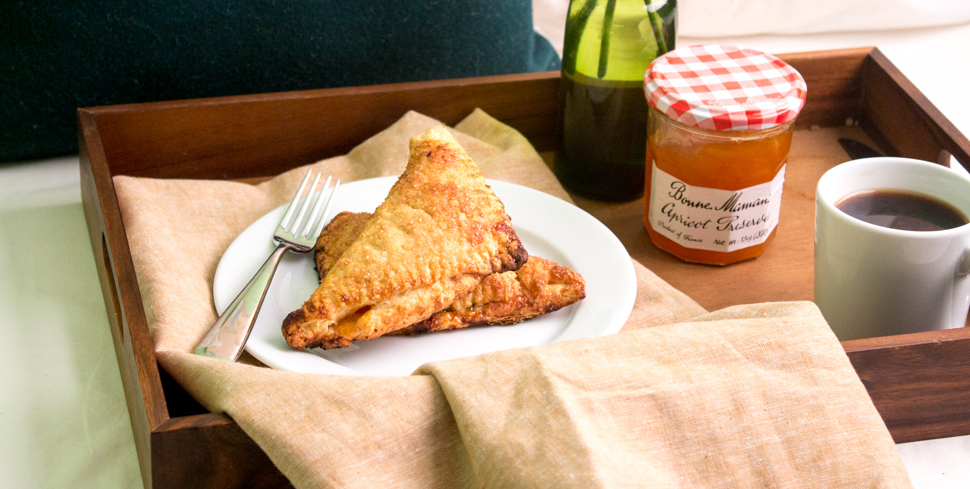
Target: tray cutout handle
112	283
948	160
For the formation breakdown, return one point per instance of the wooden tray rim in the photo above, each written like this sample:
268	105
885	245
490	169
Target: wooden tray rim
123	299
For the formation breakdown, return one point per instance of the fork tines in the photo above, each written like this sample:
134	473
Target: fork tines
320	206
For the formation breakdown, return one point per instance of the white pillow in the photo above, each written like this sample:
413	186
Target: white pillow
721	18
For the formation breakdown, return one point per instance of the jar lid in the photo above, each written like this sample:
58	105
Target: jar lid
724	88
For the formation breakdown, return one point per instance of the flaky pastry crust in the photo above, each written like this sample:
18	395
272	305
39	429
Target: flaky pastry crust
538	287
438	233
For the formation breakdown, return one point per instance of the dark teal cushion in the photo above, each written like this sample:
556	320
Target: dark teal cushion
56	56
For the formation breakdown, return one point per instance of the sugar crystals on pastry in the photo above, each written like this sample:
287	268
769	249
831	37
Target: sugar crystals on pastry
439	232
538	287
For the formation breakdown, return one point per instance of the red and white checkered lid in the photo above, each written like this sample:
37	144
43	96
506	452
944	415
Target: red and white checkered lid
724	88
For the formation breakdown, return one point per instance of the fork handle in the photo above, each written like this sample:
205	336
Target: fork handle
227	336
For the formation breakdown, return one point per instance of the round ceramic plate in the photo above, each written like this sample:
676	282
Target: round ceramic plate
548	227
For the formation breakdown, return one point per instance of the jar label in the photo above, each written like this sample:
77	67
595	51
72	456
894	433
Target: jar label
714	219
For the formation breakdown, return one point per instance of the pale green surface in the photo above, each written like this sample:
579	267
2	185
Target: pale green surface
63	418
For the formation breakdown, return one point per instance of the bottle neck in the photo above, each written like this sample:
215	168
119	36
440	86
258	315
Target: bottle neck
616	40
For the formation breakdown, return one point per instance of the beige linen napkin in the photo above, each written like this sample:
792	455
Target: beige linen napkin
750	396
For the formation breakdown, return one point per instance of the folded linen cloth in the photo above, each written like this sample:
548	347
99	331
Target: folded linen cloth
750	396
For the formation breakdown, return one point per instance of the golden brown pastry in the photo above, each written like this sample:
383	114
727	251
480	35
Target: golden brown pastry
336	237
438	233
540	286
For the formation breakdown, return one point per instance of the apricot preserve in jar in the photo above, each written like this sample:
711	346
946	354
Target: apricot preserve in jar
718	135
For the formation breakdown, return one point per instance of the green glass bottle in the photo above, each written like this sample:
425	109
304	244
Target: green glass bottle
603	112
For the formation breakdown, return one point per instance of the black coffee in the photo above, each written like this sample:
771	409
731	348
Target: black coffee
901	210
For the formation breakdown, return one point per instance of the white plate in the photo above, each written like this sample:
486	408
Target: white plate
548	227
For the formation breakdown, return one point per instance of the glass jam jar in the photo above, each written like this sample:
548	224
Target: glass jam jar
718	134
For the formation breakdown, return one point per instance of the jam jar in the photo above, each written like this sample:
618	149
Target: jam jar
719	130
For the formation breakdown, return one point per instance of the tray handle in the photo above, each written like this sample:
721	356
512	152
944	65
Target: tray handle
110	292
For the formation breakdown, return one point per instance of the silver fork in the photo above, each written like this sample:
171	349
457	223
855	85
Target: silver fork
227	336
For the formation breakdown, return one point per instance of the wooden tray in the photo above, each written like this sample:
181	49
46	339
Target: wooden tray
920	383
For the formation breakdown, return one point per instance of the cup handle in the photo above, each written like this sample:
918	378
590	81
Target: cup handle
964	267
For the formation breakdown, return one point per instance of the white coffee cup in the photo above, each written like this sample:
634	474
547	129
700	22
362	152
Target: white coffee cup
875	281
